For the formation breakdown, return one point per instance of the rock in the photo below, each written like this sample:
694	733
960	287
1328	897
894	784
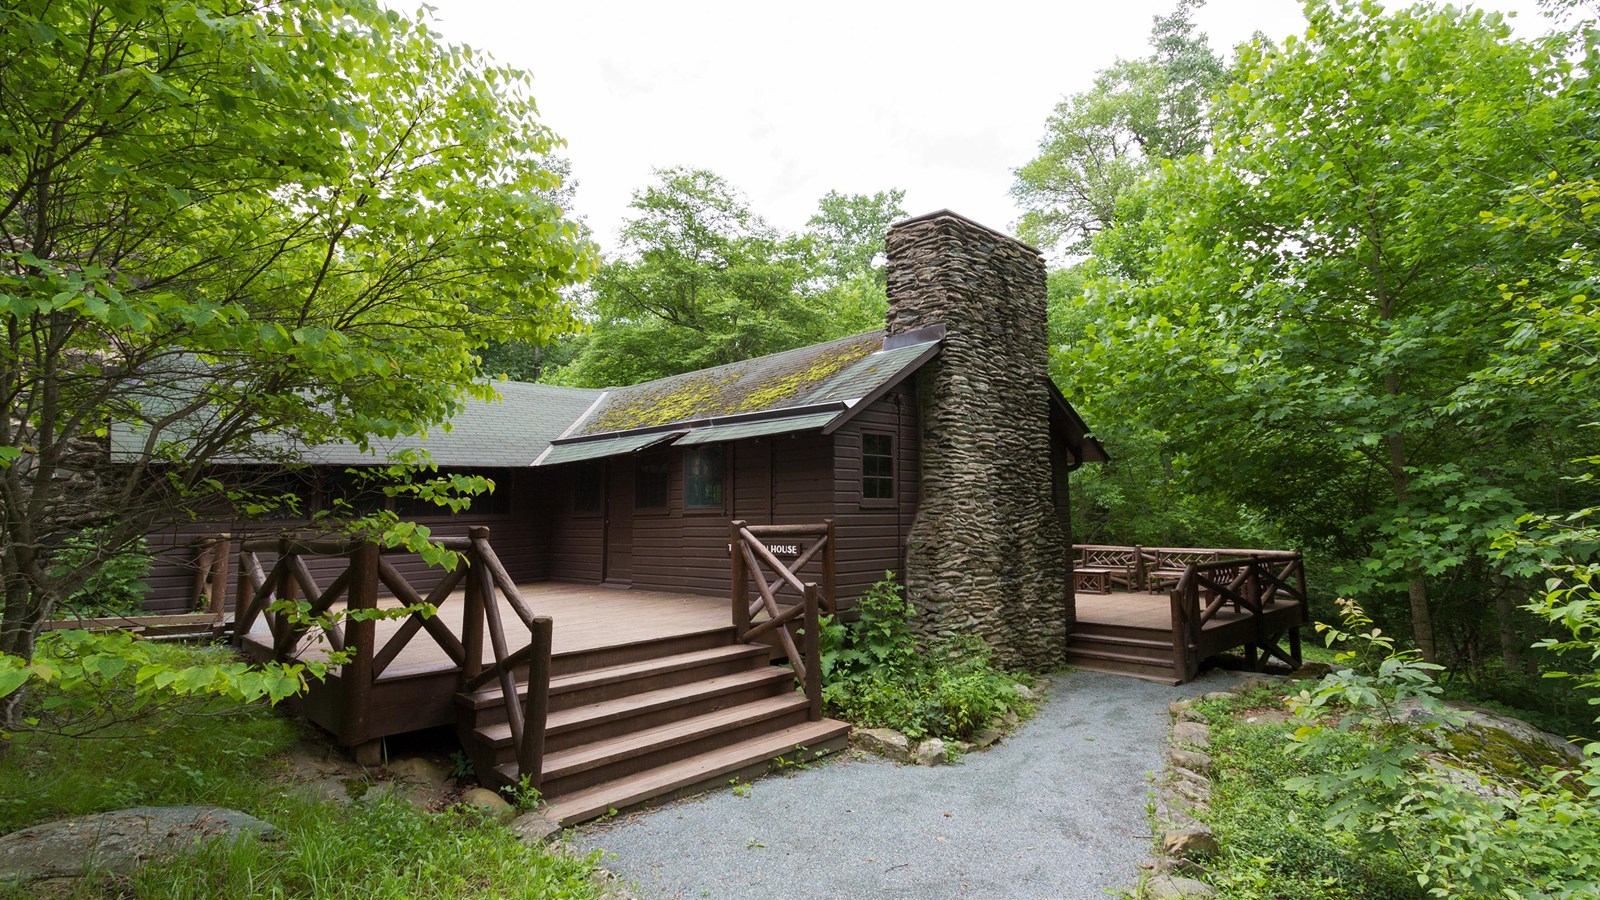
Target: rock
1191	733
1315	670
1270	717
117	842
1025	692
490	802
959	748
1172	887
417	770
534	828
931	752
1220	695
1193	760
986	738
1196	790
1257	682
1011	719
884	742
1177	708
1195	842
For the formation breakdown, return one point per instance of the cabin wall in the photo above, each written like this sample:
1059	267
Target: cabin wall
872	533
518	535
786	479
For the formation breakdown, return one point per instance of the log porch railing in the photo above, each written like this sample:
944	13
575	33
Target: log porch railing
1252	585
270	594
1200	583
764	616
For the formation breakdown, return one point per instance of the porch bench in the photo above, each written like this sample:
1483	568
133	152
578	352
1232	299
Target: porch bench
1092	579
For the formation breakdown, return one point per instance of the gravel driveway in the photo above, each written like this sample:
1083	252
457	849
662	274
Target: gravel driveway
1058	810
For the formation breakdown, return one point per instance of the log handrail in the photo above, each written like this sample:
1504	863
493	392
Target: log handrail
750	558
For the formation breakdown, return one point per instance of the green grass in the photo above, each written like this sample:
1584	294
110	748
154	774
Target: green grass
1273	842
198	753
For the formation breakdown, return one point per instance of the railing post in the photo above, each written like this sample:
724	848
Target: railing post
740	586
830	581
1180	634
530	753
813	653
205	548
1252	594
279	625
472	612
221	552
1139	583
360	635
242	595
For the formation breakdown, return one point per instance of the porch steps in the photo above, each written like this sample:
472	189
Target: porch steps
625	728
1123	650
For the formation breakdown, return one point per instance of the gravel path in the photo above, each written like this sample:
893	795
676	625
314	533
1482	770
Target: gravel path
1058	810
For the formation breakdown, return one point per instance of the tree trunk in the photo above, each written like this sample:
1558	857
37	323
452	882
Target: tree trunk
1506	611
1416	582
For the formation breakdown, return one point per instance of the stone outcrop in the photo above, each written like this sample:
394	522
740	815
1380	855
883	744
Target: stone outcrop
116	843
987	553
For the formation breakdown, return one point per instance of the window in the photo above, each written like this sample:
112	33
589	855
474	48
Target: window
586	493
877	466
702	477
650	484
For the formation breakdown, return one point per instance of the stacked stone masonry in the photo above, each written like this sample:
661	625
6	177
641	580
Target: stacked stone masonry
986	552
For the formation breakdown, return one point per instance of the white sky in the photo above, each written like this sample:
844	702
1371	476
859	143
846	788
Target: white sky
790	101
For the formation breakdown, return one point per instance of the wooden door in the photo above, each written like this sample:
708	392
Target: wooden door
619	521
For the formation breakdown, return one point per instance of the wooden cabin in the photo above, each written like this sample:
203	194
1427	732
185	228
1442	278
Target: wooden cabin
650	550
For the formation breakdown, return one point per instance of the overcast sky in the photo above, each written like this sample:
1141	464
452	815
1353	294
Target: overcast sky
790	101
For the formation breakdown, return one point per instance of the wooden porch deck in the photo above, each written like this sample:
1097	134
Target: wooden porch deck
588	619
1132	633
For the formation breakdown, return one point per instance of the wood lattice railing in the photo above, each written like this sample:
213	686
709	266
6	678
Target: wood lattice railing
750	547
271	594
1251	585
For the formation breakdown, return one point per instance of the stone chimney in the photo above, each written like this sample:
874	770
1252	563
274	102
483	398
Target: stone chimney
987	553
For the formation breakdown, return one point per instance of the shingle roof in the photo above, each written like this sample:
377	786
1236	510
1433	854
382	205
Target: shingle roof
752	385
818	383
508	433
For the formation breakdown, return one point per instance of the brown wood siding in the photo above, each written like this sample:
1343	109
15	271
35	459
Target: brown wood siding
871	534
576	540
518	537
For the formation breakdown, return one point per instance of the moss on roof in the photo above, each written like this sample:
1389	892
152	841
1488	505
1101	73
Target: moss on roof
753	385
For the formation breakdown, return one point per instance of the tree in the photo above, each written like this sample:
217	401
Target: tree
701	280
1104	141
1326	295
223	219
848	231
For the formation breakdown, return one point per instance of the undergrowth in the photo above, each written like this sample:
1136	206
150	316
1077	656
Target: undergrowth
875	674
1274	844
208	751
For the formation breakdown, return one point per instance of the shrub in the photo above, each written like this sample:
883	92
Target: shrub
875	674
115	587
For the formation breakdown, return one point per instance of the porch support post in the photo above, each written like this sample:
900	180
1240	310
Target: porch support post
740	586
830	582
360	635
472	609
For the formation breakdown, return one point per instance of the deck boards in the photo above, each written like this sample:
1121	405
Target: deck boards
586	617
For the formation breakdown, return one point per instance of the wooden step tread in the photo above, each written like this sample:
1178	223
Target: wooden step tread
634	789
560	721
589	756
490	697
1086	639
1153	659
1156	677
